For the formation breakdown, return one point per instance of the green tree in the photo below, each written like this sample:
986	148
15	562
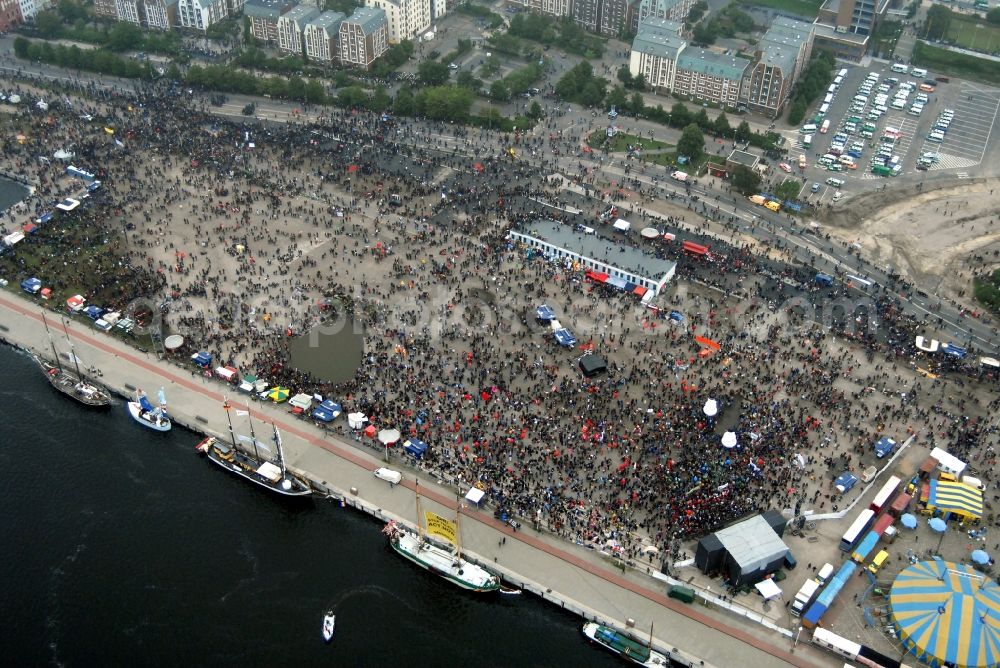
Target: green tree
21	46
704	33
702	120
380	100
993	16
721	126
48	25
745	180
636	104
617	98
797	111
789	189
124	36
466	79
743	132
938	22
692	142
404	104
679	115
639	82
625	76
432	73
592	94
314	93
535	111
296	88
352	96
490	66
72	11
499	91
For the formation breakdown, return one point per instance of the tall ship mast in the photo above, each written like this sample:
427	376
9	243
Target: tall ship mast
253	466
74	387
446	562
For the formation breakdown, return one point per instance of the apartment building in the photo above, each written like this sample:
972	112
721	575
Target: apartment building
10	14
550	7
605	17
846	26
321	35
201	14
264	15
364	36
637	11
154	14
291	25
406	18
655	51
710	77
782	54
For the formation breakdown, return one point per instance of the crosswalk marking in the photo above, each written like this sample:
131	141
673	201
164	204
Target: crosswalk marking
962	175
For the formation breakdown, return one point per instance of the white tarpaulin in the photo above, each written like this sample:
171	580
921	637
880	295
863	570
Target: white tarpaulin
302	401
475	495
711	408
356	420
622	225
14	238
729	439
768	589
388	436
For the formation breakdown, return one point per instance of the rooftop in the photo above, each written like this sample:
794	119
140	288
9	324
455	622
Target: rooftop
369	18
743	158
829	32
300	15
265	9
328	19
659	37
751	541
591	246
713	64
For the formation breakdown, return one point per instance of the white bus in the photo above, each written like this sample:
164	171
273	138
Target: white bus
900	68
885	495
860	526
831	641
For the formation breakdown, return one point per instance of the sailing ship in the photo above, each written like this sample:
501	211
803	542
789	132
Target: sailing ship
74	387
445	562
152	417
624	646
252	466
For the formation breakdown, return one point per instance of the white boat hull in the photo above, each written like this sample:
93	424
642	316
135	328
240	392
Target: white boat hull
156	423
443	563
329	622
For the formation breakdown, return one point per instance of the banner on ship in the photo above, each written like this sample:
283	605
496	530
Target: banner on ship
441	527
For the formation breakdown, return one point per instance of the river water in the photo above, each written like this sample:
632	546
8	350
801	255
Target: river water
11	192
121	546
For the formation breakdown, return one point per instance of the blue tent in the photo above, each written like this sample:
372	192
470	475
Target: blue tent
884	446
93	312
202	359
415	447
564	338
545	312
46	217
954	351
327	411
31	285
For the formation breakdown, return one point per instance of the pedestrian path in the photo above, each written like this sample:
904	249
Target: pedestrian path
946	161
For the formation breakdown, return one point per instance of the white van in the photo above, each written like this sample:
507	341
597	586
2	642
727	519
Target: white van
836	183
824	108
828	99
808	129
390	476
824	573
935	136
898	103
899	67
918	72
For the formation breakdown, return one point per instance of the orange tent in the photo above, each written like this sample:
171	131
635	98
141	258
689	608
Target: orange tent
370	431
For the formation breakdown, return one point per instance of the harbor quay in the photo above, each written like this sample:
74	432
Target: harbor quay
574	577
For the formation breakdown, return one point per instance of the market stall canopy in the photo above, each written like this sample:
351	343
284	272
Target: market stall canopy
908	520
622	225
76	303
768	589
475	495
301	400
226	373
545	312
649	233
989	361
711	408
937	524
356	420
593	364
414	447
927	345
13	238
956	497
388	436
729	439
63	154
327	411
173	342
564	338
202	359
279	394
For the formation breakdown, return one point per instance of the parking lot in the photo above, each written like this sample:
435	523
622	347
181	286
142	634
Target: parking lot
965	143
878	128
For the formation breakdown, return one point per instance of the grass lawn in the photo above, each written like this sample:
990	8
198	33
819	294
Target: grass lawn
974	33
942	61
805	8
987	290
621	141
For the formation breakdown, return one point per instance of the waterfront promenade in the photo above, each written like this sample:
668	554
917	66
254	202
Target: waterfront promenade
579	578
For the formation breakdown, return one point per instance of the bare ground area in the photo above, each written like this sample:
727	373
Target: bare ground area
938	238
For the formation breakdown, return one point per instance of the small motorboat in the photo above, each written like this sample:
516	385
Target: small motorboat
147	415
328	623
508	590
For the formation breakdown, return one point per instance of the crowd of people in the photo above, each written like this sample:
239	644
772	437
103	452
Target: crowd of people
245	236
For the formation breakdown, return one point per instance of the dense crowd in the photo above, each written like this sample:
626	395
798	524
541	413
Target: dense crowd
245	236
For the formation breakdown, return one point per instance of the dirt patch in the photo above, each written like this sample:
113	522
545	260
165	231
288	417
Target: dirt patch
938	237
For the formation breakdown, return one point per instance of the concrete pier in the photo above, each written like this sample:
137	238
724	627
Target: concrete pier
571	576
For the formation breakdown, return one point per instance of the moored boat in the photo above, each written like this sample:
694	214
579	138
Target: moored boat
149	416
73	386
624	646
253	466
329	622
444	562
